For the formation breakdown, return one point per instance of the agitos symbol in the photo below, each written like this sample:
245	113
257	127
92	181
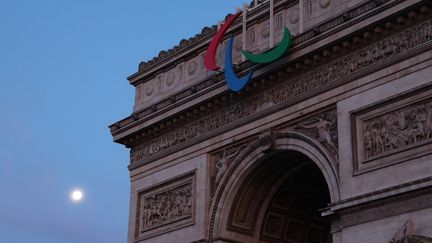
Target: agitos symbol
238	83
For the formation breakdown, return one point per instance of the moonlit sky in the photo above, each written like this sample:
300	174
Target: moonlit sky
63	69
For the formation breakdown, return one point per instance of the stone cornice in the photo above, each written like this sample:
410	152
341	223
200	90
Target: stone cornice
395	204
380	194
200	89
320	32
214	120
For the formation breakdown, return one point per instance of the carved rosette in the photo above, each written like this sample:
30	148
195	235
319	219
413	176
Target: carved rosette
165	207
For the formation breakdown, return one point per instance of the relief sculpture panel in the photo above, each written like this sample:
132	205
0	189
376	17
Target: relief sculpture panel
292	90
166	207
394	131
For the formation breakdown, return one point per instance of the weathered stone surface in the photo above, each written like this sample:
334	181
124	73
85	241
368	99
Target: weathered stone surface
331	143
392	131
167	206
291	89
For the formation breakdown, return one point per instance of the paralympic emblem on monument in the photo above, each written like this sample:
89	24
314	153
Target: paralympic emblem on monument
238	83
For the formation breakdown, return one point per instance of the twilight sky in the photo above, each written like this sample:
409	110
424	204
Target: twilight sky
63	69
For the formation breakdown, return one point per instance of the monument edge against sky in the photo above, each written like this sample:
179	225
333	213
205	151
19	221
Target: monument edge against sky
330	140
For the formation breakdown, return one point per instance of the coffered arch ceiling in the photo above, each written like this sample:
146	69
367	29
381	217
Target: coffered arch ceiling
249	201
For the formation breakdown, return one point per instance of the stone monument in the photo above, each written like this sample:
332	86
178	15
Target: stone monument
330	143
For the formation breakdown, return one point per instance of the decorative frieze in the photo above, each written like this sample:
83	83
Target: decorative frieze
210	30
393	131
398	129
166	207
327	28
292	90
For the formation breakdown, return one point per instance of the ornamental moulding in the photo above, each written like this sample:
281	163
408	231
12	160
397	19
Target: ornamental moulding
288	91
302	41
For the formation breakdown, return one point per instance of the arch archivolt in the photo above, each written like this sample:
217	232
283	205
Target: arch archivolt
252	178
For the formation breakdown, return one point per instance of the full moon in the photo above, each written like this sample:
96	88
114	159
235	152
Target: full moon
76	195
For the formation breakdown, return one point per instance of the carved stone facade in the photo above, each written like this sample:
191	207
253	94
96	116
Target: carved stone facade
331	143
321	126
166	206
288	216
221	160
293	90
393	131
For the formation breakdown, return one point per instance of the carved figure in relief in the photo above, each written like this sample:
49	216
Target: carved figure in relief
429	121
406	230
385	134
402	121
166	207
421	118
188	207
368	141
177	204
323	126
393	141
222	161
153	216
389	129
222	166
377	136
417	131
394	130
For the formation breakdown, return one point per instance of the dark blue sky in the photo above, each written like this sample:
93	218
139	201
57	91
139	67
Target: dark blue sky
63	69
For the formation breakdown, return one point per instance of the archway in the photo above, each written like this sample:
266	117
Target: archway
273	191
293	212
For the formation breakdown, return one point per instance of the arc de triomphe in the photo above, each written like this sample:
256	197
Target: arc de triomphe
330	143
